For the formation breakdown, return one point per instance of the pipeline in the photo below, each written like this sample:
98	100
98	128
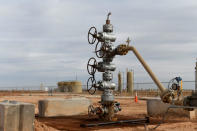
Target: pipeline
137	121
166	95
147	68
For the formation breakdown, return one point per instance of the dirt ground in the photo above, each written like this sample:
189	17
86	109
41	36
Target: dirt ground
130	110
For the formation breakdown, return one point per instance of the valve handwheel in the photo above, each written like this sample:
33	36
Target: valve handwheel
92	35
100	49
173	85
91	66
91	84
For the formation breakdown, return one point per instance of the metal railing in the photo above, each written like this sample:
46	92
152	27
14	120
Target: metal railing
187	85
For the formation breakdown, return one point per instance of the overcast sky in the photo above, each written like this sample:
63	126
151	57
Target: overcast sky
46	40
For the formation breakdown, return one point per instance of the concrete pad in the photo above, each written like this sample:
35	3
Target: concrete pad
27	116
155	107
16	116
63	107
193	114
9	118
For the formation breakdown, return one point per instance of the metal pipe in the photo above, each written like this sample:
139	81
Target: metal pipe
147	68
137	121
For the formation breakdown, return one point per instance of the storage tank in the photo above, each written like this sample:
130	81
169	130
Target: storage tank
130	82
119	82
76	86
70	86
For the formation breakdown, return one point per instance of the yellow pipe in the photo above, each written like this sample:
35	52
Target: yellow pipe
147	68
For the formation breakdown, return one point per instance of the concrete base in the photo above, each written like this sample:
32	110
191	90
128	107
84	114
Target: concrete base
63	107
27	116
16	116
9	120
155	107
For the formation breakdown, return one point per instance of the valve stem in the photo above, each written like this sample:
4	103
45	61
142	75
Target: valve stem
108	21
